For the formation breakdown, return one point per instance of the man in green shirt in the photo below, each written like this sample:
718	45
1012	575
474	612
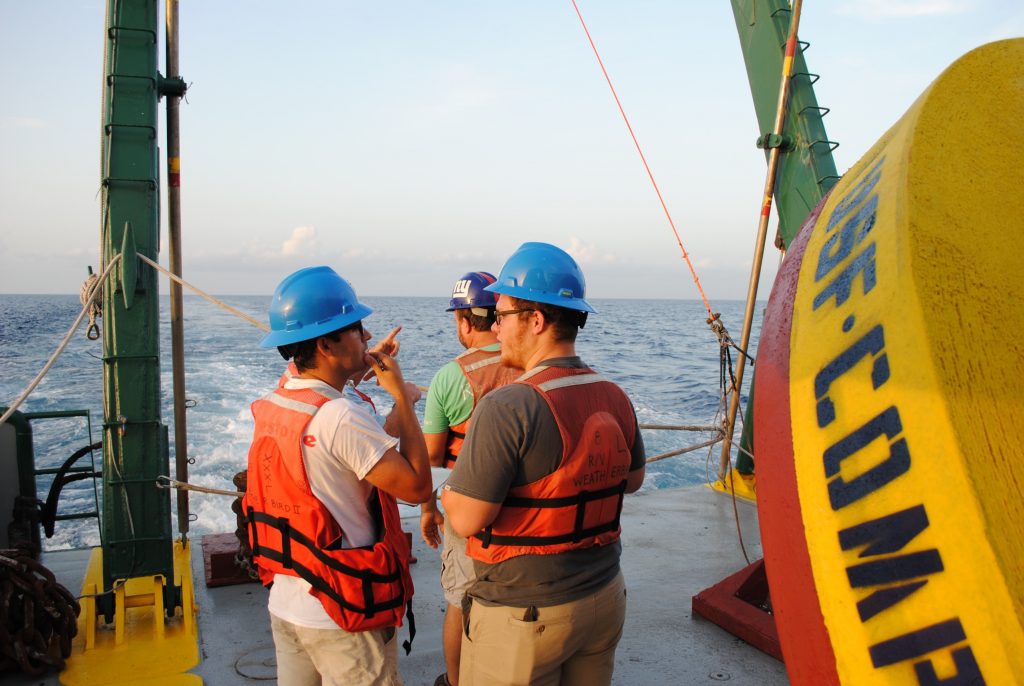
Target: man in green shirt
454	392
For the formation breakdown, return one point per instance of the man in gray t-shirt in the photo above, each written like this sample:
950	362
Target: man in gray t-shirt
538	489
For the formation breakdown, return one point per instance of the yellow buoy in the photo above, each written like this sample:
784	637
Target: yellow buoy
888	412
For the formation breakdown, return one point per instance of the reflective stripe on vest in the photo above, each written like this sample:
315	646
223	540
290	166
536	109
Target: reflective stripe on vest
578	505
291	532
291	372
485	372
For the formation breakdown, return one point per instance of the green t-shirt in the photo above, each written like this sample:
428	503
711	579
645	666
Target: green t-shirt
450	398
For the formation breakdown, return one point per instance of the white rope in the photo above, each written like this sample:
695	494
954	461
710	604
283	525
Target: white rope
680	427
688	449
220	303
185	486
64	343
684	427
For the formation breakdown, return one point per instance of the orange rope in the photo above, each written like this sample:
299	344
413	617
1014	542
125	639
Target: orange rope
650	175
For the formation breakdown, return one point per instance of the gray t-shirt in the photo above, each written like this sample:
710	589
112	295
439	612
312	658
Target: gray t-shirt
514	440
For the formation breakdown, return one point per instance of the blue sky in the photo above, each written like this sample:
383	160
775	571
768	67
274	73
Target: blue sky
407	142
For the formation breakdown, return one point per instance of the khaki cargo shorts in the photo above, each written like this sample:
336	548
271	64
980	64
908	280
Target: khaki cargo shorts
456	567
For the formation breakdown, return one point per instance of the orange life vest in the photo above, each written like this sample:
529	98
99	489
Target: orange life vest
291	532
485	372
292	371
578	505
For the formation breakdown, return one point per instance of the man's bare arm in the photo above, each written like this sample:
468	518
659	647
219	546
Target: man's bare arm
404	473
635	479
436	448
467	515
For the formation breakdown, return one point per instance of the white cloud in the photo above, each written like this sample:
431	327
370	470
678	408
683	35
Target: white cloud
457	90
1012	27
884	9
588	253
464	260
64	252
302	241
21	123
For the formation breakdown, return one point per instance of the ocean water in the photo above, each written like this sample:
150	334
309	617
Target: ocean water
660	351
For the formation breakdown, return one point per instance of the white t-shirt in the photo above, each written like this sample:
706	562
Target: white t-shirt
347	442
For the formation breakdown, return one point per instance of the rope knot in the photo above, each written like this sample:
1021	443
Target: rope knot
93	304
718	328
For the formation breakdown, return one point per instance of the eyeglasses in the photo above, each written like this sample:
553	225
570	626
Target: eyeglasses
498	314
354	326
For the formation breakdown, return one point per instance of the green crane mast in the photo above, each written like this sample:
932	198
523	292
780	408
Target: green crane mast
806	170
137	539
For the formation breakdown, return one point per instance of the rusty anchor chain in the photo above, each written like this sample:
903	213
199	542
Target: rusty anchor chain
243	558
38	616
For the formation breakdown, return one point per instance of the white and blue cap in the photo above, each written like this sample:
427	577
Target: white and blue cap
470	292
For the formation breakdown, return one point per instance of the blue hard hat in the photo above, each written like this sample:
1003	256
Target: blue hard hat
543	273
469	292
309	303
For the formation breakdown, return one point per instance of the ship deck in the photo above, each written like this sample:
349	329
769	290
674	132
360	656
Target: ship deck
676	542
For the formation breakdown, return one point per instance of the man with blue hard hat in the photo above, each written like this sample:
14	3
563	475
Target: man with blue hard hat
323	478
538	491
455	391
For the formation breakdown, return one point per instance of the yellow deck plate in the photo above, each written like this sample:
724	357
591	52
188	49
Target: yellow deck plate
743	486
136	650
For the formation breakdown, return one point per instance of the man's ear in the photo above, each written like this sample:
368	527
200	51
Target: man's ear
323	346
539	321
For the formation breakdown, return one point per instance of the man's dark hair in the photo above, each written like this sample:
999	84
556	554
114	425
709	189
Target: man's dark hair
304	352
478	322
565	323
